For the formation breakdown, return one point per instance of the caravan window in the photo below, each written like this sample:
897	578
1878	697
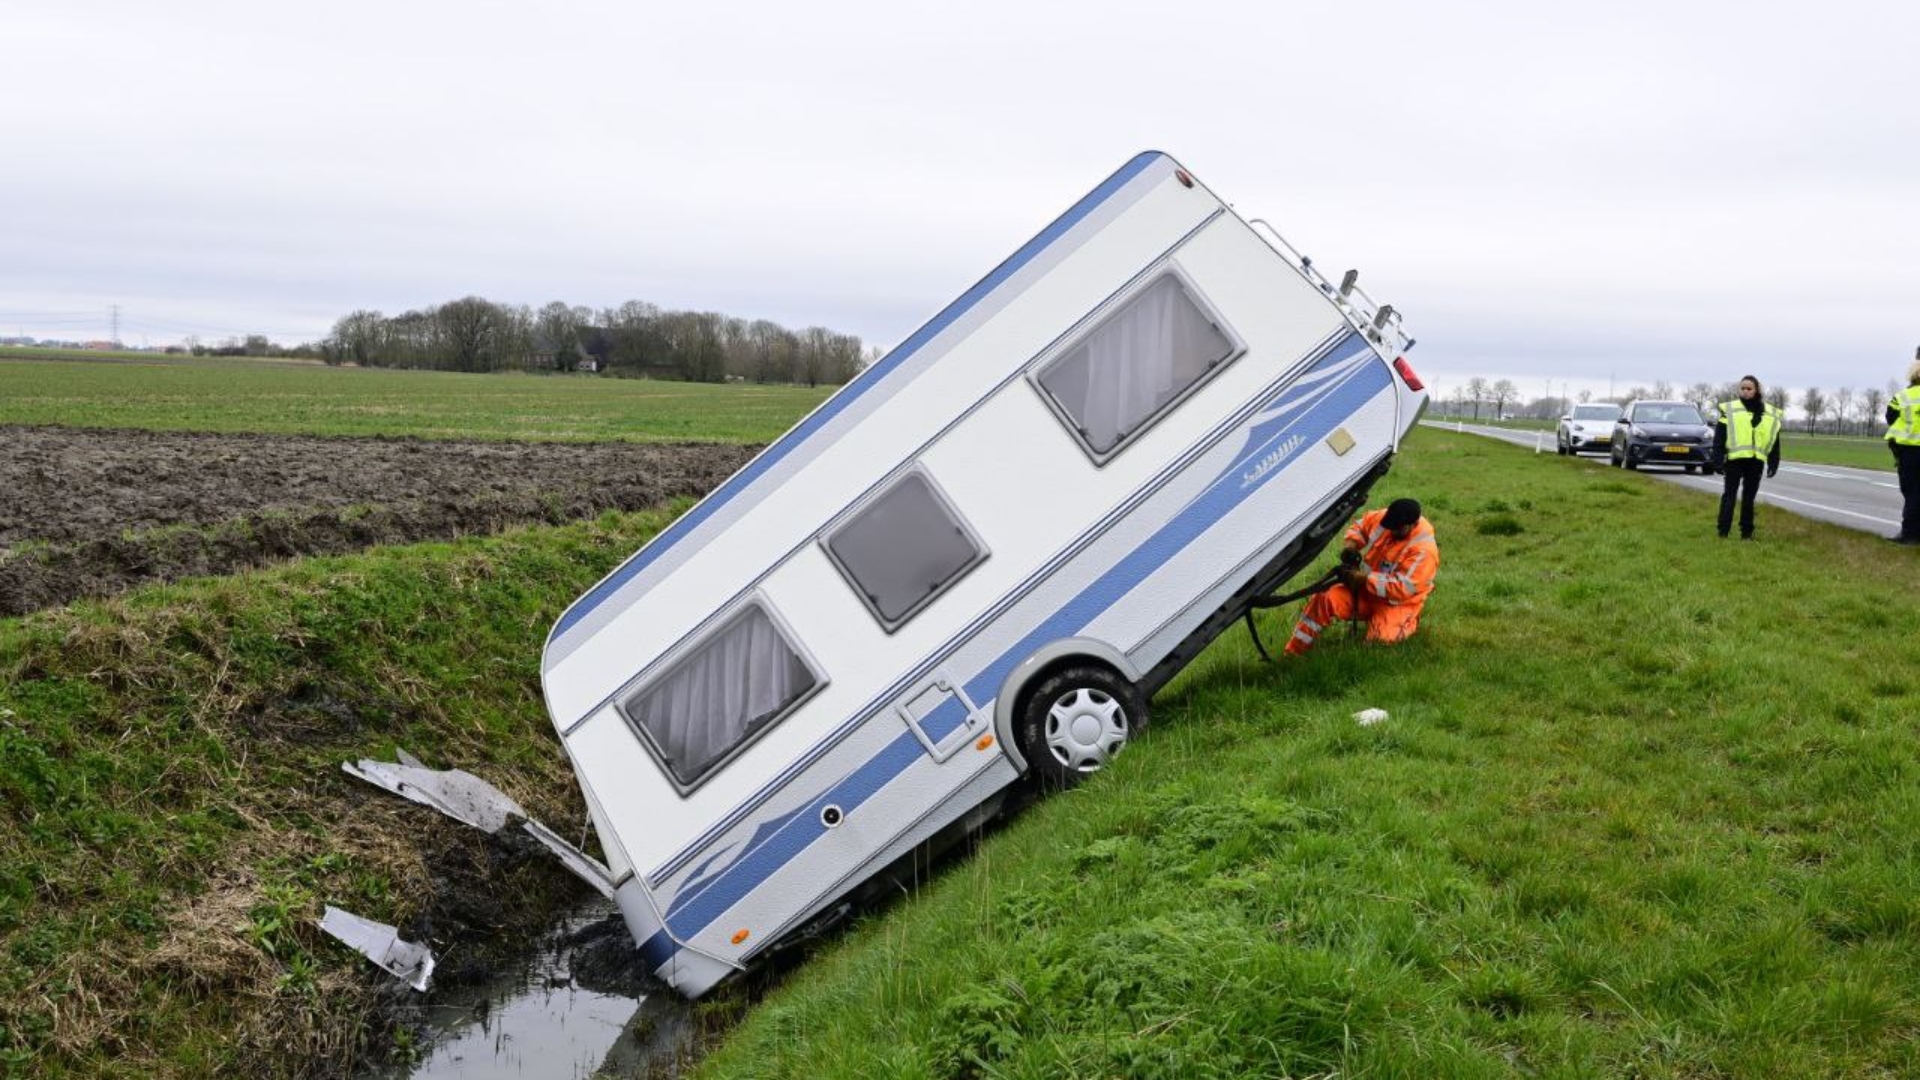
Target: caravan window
1112	383
903	548
722	694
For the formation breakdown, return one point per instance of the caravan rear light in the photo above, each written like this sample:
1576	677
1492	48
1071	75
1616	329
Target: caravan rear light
1182	176
1406	372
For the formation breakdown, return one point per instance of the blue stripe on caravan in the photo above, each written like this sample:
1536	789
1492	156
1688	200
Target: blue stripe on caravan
747	874
839	402
1338	399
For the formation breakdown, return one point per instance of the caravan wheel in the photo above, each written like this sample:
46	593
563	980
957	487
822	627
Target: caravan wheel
1076	720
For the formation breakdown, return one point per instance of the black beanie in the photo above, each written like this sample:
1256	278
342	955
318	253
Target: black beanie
1401	513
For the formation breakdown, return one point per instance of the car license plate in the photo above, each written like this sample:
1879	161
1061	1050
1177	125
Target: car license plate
1678	449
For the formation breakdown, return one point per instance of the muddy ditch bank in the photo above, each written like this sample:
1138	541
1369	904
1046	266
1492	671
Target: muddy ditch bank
86	513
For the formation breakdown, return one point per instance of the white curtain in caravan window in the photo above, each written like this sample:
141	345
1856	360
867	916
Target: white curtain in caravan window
1143	356
721	694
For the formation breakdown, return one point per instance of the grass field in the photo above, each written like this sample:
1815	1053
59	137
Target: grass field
279	397
1646	806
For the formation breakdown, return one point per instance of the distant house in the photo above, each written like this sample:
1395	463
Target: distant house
546	355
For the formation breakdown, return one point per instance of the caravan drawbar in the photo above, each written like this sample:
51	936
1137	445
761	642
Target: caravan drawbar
973	564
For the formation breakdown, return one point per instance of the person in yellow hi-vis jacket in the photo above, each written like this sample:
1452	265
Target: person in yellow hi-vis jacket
1903	438
1745	440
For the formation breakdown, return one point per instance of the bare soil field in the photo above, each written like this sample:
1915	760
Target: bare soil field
88	513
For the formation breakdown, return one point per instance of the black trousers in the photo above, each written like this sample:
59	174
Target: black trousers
1907	460
1743	479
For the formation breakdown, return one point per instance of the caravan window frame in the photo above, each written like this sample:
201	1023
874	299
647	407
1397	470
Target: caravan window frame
1116	306
917	469
687	650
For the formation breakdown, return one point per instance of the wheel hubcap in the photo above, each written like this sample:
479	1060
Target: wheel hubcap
1085	729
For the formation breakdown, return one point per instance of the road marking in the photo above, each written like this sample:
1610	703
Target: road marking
1854	476
1829	509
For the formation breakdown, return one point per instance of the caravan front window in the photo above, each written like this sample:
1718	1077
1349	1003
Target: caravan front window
1135	364
903	548
721	694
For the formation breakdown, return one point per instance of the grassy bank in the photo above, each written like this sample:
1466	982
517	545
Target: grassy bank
277	397
175	814
1646	806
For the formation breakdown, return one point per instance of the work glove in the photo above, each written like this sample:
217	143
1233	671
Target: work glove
1353	577
1349	558
1771	469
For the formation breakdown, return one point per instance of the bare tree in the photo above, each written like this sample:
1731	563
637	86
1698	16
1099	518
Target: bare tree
357	336
1663	390
559	328
1814	404
1502	392
1776	398
1872	401
1842	408
1702	396
1477	393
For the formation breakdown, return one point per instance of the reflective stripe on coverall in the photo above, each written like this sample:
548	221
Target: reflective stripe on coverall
1399	577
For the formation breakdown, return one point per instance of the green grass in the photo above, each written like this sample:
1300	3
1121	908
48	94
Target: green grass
281	397
1648	805
173	814
1851	450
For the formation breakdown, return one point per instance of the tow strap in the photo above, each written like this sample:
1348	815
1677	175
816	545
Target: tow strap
1326	581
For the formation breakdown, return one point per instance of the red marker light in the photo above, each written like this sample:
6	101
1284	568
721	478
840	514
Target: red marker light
1406	372
1181	175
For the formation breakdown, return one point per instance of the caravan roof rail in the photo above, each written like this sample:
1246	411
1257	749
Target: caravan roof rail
1375	320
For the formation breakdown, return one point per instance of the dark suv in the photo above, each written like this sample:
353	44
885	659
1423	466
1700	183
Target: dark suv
1661	433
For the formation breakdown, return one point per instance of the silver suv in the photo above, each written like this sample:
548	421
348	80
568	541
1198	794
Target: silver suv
1588	429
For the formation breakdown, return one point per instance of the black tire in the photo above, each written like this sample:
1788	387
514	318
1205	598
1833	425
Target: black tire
1061	753
1626	460
1691	469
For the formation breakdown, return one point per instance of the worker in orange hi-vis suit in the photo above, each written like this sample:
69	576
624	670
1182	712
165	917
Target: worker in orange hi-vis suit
1387	565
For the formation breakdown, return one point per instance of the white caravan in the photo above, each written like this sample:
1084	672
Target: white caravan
972	564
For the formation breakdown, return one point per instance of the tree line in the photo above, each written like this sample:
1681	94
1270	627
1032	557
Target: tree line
1844	411
635	339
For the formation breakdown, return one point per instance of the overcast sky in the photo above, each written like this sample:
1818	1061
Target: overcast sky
1634	192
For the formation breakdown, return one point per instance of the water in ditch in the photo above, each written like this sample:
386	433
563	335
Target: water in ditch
581	1007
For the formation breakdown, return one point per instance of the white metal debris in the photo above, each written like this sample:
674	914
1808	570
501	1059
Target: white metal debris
380	943
470	800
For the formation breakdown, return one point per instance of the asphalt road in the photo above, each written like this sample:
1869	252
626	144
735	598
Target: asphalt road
1863	499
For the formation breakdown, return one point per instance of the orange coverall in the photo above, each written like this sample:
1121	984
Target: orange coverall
1399	577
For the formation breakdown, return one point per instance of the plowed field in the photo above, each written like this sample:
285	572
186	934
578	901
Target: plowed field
91	512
